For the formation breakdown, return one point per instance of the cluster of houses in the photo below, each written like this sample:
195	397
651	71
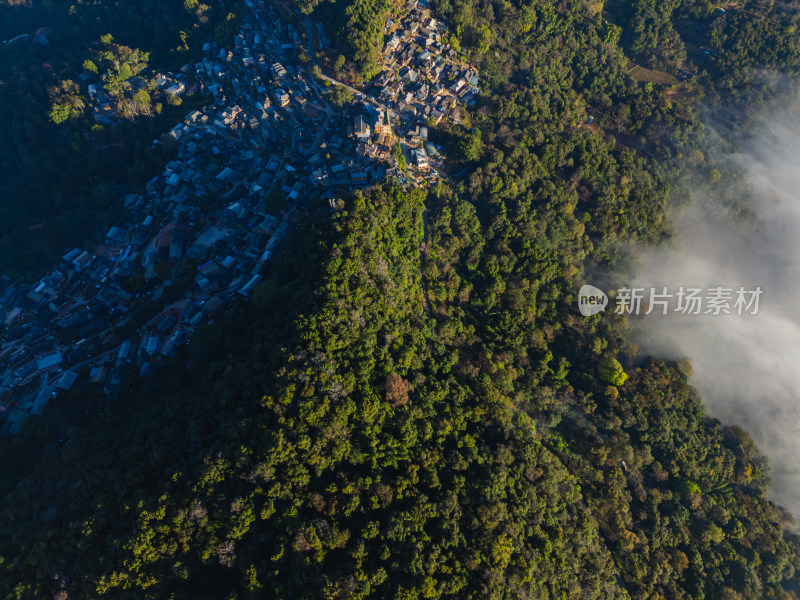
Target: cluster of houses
376	139
423	81
107	108
199	236
423	77
195	240
264	96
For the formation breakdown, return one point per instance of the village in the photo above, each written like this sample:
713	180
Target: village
200	235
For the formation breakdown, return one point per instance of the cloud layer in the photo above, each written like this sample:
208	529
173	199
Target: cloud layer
746	367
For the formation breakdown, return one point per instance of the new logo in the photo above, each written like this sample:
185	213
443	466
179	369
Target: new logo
591	300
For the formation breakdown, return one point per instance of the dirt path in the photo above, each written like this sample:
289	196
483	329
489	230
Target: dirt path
423	256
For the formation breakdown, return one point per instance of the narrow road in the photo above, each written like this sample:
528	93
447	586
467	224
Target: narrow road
364	95
19	37
318	138
423	256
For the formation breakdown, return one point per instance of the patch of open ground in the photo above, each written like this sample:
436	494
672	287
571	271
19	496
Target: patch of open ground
640	73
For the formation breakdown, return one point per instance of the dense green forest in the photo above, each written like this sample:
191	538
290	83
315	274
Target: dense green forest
59	169
331	440
360	449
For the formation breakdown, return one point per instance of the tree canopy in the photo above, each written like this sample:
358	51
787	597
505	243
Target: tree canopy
331	439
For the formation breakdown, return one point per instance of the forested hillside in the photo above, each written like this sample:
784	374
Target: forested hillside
332	440
384	454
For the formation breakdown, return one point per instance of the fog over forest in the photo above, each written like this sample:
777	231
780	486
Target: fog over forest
747	366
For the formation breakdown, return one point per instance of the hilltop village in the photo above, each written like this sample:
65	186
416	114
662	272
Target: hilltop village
200	234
